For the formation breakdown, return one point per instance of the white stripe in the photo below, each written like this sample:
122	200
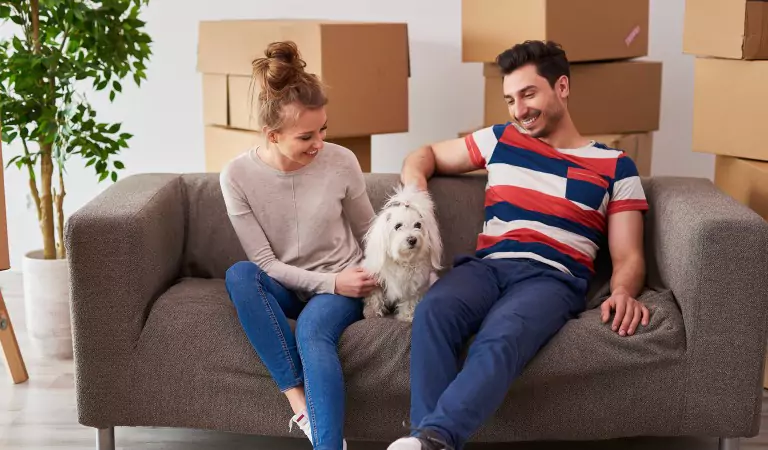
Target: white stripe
629	188
590	152
508	175
486	142
604	205
502	255
498	227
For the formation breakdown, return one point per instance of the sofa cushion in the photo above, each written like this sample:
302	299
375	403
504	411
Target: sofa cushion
194	327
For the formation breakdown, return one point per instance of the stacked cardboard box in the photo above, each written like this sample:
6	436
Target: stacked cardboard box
612	92
365	67
730	43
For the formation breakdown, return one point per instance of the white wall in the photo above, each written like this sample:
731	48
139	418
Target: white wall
446	94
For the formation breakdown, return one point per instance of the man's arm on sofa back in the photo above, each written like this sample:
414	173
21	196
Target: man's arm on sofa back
713	253
125	248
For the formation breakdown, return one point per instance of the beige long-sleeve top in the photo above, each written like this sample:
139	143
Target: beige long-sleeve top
300	227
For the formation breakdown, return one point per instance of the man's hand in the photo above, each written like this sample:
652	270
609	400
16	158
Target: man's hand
629	312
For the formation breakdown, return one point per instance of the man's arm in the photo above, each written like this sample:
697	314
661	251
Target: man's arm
446	157
625	242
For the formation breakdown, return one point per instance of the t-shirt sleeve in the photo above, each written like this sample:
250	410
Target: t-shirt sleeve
627	191
482	143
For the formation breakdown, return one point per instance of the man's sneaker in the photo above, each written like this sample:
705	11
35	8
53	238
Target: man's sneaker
302	420
426	440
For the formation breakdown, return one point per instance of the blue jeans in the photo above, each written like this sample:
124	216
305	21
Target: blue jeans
309	357
513	307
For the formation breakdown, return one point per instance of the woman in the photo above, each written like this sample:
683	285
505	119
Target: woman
300	209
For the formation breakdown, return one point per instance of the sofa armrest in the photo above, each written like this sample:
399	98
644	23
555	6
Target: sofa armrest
712	252
124	249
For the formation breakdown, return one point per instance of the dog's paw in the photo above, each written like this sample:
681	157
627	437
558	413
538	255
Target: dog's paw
405	314
371	312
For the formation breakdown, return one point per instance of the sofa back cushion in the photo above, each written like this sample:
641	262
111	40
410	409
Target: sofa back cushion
212	246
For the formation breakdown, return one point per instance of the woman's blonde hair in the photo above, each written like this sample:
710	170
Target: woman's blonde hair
283	81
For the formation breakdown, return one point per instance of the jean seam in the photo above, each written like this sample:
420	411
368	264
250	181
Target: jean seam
281	336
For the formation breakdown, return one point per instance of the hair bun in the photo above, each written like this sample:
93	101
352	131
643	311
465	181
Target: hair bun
281	67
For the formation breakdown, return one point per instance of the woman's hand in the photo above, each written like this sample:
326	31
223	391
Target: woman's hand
354	282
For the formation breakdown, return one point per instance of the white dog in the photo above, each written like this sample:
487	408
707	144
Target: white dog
403	250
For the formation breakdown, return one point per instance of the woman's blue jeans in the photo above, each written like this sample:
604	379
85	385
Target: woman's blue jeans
310	357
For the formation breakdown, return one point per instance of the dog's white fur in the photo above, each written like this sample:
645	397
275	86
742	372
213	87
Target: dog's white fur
403	249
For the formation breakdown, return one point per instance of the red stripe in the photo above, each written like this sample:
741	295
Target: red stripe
627	205
511	136
526	235
545	204
474	151
588	176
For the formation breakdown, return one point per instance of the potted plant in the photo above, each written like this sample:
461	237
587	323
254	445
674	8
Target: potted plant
60	50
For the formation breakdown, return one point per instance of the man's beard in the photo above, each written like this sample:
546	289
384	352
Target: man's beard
552	117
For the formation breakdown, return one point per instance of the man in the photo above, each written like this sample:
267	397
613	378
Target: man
553	197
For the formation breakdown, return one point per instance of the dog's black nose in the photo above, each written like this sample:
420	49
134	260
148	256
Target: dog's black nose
411	241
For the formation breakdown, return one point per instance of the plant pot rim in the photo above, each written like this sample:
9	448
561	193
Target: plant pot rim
37	255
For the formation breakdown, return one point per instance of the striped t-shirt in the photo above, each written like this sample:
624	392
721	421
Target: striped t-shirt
550	204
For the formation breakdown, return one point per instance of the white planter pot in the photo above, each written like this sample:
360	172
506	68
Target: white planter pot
46	301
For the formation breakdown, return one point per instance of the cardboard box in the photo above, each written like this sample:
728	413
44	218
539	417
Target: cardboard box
215	93
606	98
588	30
639	147
734	29
745	180
365	66
729	108
5	258
224	144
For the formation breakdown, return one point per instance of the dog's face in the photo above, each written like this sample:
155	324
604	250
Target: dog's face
406	236
405	232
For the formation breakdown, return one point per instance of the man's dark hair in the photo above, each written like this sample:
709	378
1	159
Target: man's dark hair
548	57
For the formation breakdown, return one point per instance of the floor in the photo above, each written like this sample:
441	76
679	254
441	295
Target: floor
40	414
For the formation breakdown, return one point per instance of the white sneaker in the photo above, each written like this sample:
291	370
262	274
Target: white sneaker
302	420
409	443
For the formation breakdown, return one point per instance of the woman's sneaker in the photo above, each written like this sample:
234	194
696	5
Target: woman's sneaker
302	420
425	440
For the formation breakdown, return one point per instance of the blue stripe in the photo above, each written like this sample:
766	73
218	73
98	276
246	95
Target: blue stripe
508	212
520	157
543	250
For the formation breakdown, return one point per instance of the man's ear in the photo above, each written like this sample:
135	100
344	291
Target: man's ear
563	87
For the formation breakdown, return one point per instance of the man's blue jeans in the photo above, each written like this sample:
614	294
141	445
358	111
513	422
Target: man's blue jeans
310	357
513	307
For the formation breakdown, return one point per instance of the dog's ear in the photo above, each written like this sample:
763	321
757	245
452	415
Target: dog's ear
426	207
376	243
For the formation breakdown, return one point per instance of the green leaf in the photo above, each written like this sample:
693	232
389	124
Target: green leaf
117	86
114	128
125	135
112	96
119	165
114	177
103	176
5	11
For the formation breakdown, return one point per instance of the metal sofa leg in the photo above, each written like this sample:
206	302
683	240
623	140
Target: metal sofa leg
105	439
729	444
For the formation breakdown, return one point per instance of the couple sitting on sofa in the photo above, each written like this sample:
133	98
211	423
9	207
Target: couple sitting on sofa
300	209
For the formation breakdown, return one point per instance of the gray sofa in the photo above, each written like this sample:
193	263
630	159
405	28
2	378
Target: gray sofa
157	342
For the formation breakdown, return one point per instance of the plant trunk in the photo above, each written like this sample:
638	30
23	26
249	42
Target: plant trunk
46	202
61	250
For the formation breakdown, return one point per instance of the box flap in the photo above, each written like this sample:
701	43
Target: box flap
756	30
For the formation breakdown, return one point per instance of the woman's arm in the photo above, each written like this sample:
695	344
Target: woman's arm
356	205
